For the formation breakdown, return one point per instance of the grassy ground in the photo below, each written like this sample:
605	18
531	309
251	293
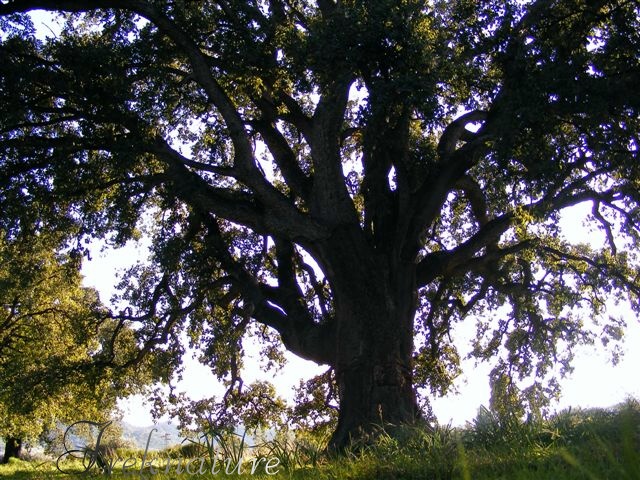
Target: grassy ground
580	444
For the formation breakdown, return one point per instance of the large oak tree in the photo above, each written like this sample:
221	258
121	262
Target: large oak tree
357	176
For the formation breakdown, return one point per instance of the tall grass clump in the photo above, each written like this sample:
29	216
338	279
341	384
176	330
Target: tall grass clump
604	443
573	444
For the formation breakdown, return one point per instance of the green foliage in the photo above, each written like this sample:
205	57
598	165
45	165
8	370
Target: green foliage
53	330
316	405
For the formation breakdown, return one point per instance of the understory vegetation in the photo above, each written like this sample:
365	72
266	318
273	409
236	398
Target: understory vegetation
594	444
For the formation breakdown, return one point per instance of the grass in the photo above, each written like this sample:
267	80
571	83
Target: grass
597	444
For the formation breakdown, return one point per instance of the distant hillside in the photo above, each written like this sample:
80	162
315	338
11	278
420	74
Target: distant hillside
166	435
139	435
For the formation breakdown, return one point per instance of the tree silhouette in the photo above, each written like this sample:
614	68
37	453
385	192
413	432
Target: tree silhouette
349	178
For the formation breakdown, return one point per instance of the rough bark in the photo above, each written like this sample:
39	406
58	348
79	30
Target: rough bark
374	375
12	449
375	308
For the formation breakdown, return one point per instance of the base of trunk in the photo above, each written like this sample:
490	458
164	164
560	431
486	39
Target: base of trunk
12	449
373	400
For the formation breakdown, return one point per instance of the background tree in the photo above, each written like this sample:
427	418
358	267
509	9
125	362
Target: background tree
51	331
349	178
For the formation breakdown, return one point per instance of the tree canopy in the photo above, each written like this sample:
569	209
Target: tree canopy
348	179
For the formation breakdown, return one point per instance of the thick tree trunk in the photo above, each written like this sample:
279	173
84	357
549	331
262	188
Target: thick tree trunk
375	392
375	308
12	449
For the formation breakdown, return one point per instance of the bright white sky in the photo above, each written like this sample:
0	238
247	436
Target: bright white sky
595	382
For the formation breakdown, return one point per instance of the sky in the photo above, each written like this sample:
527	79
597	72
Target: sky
595	382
